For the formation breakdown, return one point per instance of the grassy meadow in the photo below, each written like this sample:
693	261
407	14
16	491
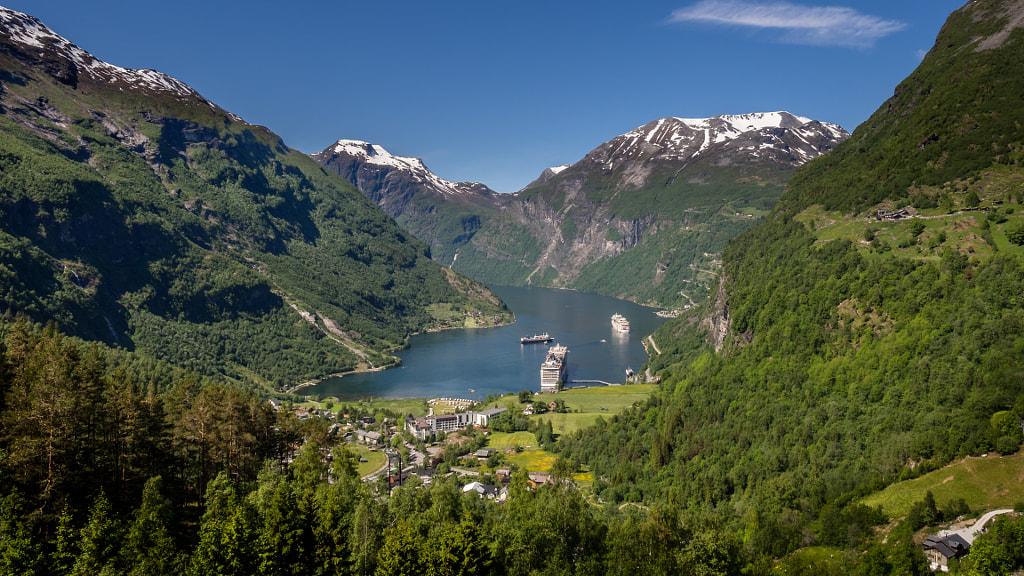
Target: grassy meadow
984	483
585	404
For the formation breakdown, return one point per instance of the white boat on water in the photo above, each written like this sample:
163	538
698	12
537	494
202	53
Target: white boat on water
554	368
619	323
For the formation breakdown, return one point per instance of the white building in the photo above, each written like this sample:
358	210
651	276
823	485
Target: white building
428	426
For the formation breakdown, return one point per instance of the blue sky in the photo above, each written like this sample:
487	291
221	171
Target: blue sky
496	92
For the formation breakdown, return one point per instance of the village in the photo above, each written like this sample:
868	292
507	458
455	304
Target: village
482	445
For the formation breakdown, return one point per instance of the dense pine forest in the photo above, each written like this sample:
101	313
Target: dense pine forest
107	473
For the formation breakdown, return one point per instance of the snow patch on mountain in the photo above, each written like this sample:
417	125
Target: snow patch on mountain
34	36
755	135
375	155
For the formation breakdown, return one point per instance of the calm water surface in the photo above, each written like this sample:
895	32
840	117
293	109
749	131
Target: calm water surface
475	363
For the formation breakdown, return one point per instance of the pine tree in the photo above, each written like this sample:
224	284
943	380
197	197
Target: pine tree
99	544
18	553
150	548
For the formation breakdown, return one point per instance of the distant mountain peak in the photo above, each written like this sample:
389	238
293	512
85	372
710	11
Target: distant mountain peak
780	138
28	39
376	154
380	174
748	122
548	174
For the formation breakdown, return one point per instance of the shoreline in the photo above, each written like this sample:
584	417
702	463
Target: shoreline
398	361
307	384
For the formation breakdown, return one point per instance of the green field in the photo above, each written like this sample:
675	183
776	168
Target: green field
984	483
375	459
532	460
584	404
415	406
587	404
503	440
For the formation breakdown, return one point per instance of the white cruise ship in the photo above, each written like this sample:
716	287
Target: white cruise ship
619	323
554	368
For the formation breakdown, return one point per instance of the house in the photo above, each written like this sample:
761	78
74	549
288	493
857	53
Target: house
538	478
485	491
424	474
394	481
275	404
900	214
940	549
369	438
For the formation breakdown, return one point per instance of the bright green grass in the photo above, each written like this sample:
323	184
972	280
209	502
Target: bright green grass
962	232
813	560
374	459
584	404
415	406
503	440
983	483
589	403
569	423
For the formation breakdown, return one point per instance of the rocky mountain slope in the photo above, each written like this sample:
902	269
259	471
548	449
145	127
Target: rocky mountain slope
138	213
643	216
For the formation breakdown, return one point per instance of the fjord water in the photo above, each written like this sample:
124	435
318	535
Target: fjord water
475	363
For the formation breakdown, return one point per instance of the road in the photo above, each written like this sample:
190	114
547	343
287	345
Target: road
971	532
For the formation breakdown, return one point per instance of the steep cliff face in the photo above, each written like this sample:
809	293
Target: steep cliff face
717	322
643	216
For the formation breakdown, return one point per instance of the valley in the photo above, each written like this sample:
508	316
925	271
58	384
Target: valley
642	217
841	380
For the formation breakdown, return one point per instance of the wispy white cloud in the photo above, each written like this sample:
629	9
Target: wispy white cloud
813	25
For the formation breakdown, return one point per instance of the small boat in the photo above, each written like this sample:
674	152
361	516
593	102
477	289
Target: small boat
536	339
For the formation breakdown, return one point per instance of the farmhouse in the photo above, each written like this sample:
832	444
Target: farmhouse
486	491
940	549
371	438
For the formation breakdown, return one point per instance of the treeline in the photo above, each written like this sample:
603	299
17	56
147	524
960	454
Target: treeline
103	474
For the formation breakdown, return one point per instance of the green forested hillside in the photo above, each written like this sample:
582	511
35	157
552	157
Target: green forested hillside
858	351
959	113
849	352
161	224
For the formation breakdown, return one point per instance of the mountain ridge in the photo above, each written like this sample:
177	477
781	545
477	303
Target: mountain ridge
574	225
140	214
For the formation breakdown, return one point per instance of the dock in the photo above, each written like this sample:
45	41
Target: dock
602	382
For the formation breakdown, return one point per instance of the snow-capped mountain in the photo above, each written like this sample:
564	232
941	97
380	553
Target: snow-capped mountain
548	174
691	182
392	181
31	42
771	138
